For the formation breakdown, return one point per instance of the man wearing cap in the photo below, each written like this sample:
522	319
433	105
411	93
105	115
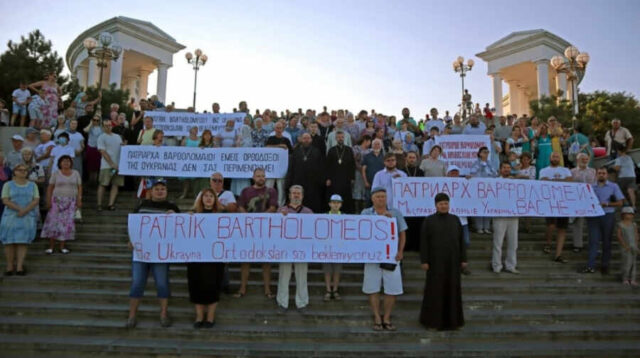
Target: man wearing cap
14	157
31	138
443	255
601	227
384	178
389	277
505	226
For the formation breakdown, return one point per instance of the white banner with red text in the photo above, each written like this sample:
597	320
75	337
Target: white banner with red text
179	123
496	197
194	162
263	238
462	149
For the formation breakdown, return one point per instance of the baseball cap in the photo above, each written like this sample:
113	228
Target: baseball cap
628	210
378	189
452	168
17	137
335	197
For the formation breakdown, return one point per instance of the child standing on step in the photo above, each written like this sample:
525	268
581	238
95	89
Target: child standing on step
332	270
628	237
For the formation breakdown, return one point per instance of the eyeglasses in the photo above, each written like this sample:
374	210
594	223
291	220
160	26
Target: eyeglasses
216	180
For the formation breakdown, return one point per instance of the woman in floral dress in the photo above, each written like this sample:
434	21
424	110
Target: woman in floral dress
51	98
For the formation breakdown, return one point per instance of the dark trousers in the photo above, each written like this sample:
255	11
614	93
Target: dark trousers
600	230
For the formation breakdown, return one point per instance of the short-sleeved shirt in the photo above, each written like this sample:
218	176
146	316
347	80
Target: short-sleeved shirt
627	170
607	192
75	140
57	152
146	136
402	224
21	95
555	173
258	200
155	207
469	129
6	190
374	163
621	136
40	150
65	186
226	198
273	140
299	210
384	178
111	143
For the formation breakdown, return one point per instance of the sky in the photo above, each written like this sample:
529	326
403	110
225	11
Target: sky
353	54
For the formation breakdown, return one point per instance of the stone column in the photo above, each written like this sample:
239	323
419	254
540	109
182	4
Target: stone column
542	67
161	88
81	75
92	77
131	85
115	73
561	84
497	92
144	79
513	97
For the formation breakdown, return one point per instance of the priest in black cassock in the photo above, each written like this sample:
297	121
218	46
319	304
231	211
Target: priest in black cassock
341	172
306	168
443	255
415	223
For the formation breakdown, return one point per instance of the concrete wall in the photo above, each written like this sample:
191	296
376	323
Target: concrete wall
5	137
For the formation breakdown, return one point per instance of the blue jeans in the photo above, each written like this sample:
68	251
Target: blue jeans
139	274
482	223
600	229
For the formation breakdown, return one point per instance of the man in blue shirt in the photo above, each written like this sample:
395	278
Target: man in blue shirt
601	227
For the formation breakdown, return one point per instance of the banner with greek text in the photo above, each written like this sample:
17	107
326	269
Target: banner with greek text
190	162
494	197
179	123
263	238
462	149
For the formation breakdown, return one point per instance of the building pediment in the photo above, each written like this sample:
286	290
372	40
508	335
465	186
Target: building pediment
520	41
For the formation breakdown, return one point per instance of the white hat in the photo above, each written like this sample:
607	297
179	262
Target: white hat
17	137
628	210
335	197
452	168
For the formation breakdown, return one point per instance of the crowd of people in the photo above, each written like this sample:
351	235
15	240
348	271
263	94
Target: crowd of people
339	163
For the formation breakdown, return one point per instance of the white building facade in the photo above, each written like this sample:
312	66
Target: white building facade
145	48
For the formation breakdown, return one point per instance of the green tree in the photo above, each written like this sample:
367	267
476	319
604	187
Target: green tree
548	106
28	60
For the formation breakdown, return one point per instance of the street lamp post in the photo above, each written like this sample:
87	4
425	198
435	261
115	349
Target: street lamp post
574	64
459	66
199	60
104	50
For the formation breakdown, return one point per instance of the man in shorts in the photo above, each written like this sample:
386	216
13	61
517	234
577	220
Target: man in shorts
109	145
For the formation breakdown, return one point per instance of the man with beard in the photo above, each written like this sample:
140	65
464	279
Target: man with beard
556	172
372	163
316	139
306	168
413	232
443	255
384	178
505	227
340	168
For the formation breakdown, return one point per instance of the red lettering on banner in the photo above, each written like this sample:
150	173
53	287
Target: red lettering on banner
272	226
224	223
366	232
317	232
144	221
197	226
179	223
347	228
382	233
286	226
156	225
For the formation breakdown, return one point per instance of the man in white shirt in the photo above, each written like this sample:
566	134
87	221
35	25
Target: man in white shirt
434	122
109	145
555	172
21	98
384	178
63	148
474	126
43	151
76	141
617	134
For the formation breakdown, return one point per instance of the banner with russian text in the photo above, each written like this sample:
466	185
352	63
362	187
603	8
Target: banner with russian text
193	162
462	149
179	123
495	197
263	238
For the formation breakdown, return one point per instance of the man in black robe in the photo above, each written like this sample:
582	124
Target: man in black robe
306	168
414	223
443	255
341	172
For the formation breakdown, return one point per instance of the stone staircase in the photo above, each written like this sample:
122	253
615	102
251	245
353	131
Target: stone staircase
76	305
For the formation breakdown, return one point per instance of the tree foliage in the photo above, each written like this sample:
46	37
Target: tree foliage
596	110
28	60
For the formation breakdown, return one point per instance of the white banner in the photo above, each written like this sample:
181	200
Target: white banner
494	197
263	238
462	149
179	123
190	162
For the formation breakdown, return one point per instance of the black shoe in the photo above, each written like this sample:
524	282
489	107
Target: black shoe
561	260
587	269
207	324
22	273
10	273
466	272
198	324
604	270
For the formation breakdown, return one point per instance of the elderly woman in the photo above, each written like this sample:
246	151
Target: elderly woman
226	138
52	93
64	196
432	166
483	169
5	175
205	278
259	134
18	225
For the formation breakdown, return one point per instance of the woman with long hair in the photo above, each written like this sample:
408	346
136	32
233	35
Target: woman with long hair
205	278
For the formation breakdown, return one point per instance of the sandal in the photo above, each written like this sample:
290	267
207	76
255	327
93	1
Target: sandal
335	295
547	249
269	295
377	327
327	296
48	251
112	208
99	208
65	251
561	260
388	326
239	294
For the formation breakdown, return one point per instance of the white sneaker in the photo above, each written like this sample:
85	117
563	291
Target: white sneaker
48	251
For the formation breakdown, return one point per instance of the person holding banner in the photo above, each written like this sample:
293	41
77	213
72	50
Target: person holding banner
505	226
205	278
482	169
443	255
556	172
146	134
389	276
140	270
296	194
432	166
581	174
384	177
257	199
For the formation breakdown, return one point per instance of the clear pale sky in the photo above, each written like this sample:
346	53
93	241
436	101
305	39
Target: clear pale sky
355	54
